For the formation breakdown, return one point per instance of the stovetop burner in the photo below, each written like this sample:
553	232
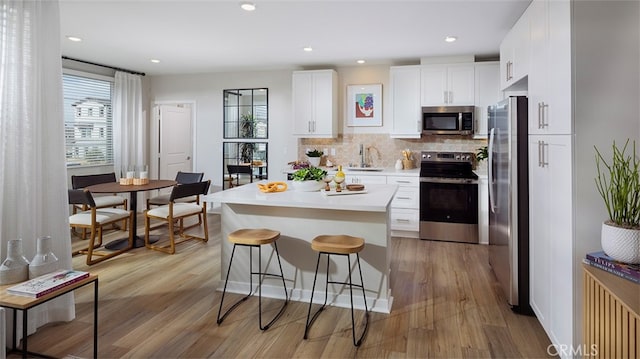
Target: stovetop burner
447	165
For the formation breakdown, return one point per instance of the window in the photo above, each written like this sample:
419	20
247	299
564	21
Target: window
88	120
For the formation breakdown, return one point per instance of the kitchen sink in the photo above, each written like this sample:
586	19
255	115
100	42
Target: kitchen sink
368	169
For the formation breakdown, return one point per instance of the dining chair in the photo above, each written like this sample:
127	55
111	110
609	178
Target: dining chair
94	219
181	178
101	201
238	171
176	211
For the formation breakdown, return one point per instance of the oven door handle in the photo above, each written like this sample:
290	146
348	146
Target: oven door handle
448	180
492	200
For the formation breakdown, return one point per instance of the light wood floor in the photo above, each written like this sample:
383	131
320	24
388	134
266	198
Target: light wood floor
447	305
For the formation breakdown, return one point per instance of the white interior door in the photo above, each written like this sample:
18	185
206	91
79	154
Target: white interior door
175	141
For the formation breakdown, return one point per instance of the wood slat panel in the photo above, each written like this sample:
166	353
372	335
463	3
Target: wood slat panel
610	324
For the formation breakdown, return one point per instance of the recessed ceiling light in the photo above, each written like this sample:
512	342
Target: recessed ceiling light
248	6
307	48
360	61
74	38
450	38
155	61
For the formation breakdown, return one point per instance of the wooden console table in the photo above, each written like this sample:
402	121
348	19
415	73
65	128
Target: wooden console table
611	322
24	303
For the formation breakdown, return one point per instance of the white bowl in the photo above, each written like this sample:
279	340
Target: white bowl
307	186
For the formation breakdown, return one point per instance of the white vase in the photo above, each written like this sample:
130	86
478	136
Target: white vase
314	161
621	244
44	261
15	267
398	165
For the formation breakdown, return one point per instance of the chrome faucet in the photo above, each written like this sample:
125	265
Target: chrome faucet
363	161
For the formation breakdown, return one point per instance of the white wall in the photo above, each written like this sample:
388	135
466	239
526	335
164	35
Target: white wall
206	91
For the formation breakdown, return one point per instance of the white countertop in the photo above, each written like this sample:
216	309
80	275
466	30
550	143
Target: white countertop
377	198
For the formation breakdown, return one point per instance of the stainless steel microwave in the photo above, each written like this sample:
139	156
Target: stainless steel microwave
447	120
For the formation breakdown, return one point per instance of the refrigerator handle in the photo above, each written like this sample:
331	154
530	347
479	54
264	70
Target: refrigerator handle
492	204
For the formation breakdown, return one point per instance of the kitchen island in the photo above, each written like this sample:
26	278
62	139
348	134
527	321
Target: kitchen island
300	216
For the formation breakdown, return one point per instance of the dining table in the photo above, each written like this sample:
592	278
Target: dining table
116	187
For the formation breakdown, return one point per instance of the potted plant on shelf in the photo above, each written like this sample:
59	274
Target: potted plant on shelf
618	183
314	157
308	179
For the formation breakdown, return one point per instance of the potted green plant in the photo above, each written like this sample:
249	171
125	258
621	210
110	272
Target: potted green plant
308	179
314	157
618	182
482	154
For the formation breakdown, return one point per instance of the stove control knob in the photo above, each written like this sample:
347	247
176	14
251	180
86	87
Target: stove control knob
468	158
457	157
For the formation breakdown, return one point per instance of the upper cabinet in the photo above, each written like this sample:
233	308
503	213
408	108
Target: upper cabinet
446	85
487	92
550	68
514	52
315	104
404	99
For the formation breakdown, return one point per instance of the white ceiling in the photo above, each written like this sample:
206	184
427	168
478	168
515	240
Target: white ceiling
216	35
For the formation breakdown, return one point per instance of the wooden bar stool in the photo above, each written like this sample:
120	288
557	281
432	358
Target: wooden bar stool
342	245
253	238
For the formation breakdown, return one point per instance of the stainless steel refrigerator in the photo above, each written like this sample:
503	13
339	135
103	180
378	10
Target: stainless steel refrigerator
508	200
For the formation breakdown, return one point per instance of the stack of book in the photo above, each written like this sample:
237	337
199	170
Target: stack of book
601	260
47	283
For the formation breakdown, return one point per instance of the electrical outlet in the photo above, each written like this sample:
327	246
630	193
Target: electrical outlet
325	151
333	151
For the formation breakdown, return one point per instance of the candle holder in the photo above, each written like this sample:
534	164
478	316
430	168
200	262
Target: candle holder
327	180
338	180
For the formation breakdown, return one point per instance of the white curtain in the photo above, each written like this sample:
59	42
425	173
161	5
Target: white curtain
33	174
129	126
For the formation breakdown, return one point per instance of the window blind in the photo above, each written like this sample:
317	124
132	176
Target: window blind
88	120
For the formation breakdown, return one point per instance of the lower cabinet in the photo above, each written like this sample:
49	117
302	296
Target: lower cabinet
405	207
483	210
550	234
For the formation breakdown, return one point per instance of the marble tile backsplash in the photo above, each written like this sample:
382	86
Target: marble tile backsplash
383	150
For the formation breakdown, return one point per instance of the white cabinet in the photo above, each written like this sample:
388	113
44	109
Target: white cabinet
487	92
405	101
551	234
405	207
483	210
550	68
446	85
514	53
315	104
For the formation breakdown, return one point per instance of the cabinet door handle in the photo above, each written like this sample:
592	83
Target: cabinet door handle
444	96
403	220
539	115
403	197
309	126
450	96
544	123
540	153
400	181
542	161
